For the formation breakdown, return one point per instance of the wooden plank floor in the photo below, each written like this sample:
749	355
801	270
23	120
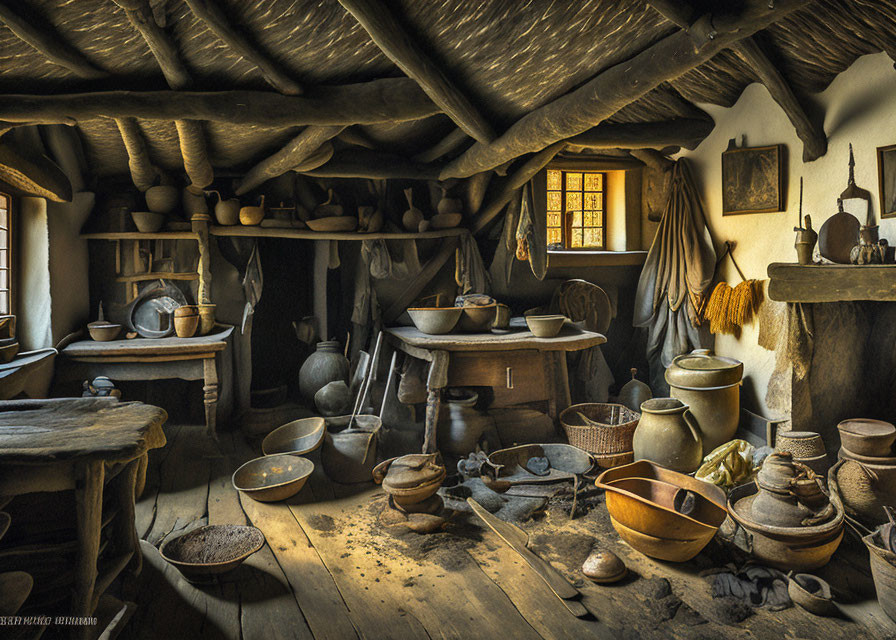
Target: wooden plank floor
329	571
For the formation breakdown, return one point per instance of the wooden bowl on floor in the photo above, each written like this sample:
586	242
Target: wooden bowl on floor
272	478
210	551
295	438
435	320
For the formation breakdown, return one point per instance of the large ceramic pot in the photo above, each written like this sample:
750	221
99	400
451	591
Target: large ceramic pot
461	425
161	198
325	365
668	435
710	386
866	485
348	455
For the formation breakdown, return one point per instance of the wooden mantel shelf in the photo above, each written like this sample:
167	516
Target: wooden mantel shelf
831	282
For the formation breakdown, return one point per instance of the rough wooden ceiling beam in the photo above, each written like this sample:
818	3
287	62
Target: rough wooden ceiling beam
815	142
195	153
143	171
398	46
363	163
292	155
616	87
444	146
379	101
215	19
43	39
141	17
512	184
678	132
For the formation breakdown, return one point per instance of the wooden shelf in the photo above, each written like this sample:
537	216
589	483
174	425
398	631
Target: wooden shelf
142	277
831	282
136	235
307	234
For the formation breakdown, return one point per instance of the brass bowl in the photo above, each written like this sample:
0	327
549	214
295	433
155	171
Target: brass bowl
272	478
209	551
295	438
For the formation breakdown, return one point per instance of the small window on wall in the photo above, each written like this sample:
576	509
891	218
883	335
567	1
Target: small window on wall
5	255
576	210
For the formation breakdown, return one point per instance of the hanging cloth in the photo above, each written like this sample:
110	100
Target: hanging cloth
531	235
676	275
470	273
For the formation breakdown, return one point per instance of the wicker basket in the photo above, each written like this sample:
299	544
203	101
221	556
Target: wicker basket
612	432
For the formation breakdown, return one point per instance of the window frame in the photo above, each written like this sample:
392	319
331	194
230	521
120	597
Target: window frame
566	227
10	257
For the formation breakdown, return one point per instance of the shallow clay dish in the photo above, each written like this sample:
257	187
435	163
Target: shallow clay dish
812	594
209	551
867	437
103	331
435	320
545	326
334	223
273	478
295	438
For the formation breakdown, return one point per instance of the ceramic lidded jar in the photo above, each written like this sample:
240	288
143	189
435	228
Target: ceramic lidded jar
710	386
667	434
325	365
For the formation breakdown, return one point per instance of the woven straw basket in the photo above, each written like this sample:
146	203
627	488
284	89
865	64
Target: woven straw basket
610	432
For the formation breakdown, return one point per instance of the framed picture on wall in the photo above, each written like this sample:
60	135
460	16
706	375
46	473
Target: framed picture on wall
753	180
886	174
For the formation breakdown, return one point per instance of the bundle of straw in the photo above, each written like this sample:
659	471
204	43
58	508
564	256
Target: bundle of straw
729	309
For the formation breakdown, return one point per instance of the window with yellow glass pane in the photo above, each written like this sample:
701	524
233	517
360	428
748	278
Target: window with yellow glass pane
576	209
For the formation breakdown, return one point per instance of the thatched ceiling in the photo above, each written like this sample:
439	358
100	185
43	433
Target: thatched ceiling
509	57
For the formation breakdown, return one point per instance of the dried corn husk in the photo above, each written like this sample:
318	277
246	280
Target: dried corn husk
729	309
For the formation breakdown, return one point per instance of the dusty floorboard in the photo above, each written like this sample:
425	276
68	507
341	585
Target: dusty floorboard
329	571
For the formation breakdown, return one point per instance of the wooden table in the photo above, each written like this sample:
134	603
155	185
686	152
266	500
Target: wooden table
517	365
152	359
92	446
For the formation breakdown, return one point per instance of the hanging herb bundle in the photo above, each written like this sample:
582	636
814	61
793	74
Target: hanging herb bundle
728	309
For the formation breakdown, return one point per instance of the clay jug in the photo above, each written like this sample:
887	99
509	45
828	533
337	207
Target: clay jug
413	216
448	205
250	216
461	425
806	238
634	392
227	212
325	365
667	434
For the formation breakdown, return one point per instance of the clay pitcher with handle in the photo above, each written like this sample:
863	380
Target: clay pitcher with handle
227	212
667	434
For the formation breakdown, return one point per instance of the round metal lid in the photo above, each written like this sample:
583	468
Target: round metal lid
702	368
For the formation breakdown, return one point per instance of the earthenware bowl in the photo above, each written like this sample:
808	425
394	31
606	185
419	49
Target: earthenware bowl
477	319
103	331
786	548
148	221
545	326
812	594
435	320
295	438
210	551
883	570
662	513
9	351
867	437
272	478
333	223
800	444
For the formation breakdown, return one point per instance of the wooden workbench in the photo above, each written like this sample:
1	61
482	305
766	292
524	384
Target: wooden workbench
93	446
517	365
153	359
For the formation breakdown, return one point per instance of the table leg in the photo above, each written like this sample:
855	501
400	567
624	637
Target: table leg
89	507
557	376
125	530
435	382
210	399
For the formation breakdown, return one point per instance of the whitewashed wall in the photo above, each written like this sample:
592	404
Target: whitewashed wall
860	107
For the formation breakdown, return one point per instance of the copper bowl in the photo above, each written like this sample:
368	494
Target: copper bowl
662	513
272	478
210	551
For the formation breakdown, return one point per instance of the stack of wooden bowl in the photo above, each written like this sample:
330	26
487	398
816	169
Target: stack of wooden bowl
411	482
603	429
9	344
